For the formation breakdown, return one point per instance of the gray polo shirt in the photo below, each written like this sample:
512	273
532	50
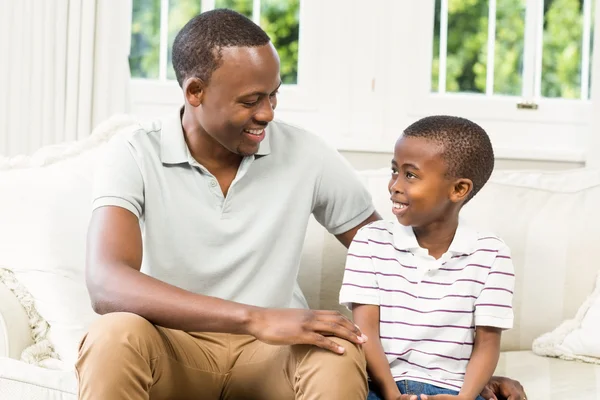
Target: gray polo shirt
245	247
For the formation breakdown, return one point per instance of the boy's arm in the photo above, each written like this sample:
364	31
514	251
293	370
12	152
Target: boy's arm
482	364
367	317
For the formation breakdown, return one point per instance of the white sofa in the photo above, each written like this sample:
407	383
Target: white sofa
549	219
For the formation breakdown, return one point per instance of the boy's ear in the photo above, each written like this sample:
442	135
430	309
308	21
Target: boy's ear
193	88
461	190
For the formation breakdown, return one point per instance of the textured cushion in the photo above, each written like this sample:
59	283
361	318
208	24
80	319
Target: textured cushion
550	378
20	381
542	216
45	209
577	338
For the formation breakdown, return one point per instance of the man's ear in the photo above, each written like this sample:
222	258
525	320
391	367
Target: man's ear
193	89
461	188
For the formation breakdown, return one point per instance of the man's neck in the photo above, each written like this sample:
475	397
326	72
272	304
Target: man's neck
203	148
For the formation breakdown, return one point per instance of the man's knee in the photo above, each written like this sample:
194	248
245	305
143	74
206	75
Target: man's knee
353	358
116	332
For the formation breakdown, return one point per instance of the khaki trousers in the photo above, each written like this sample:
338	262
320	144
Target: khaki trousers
123	356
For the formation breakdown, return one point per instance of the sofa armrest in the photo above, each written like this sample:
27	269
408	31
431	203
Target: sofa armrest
15	334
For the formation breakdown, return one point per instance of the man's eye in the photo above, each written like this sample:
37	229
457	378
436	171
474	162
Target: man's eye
274	94
250	103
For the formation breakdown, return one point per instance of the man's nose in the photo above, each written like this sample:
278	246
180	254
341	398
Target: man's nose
266	112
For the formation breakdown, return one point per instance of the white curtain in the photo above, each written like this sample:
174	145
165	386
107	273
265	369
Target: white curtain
63	69
593	156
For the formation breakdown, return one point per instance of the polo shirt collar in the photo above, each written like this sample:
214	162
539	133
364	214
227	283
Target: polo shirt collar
463	242
174	149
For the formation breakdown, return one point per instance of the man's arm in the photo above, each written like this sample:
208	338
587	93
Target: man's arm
115	283
347	237
367	317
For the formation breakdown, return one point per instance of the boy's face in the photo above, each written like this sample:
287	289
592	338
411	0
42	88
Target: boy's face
421	193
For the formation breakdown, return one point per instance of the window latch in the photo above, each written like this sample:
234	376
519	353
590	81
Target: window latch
527	105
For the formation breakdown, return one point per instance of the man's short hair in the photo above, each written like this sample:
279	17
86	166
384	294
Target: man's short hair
466	147
197	46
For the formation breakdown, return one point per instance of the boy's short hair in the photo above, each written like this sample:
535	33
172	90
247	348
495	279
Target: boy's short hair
197	46
466	147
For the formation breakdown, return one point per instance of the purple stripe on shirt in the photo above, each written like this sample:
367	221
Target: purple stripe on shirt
393	259
360	271
427	312
505	257
464	296
378	229
388	244
429	354
502	273
493	305
490	237
478	250
468	265
425	325
426	340
360	241
497	288
358	256
359	286
450	284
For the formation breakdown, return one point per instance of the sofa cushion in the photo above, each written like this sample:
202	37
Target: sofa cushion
24	381
577	338
45	209
551	378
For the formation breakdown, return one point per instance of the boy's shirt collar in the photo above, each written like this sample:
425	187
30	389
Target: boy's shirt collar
463	242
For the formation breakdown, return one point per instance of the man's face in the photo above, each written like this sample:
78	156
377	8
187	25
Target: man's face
420	190
240	98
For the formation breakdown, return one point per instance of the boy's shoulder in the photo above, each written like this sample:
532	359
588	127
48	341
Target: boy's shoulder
378	228
486	240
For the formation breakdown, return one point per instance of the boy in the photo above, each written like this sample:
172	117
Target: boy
435	291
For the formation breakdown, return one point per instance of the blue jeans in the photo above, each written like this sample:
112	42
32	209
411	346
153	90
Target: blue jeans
413	387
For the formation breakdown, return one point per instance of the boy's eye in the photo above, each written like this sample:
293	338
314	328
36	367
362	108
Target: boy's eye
410	175
394	171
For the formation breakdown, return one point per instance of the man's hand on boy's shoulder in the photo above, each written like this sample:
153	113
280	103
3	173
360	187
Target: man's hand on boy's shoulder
300	326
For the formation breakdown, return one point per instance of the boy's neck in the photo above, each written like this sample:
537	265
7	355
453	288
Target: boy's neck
437	236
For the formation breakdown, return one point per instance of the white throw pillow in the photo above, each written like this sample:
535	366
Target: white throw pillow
45	206
578	338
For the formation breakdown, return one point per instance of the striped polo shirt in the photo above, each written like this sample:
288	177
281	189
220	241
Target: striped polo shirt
429	308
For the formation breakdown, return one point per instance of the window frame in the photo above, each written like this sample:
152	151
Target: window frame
572	112
165	92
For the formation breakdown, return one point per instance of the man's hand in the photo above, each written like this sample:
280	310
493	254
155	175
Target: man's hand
501	388
298	326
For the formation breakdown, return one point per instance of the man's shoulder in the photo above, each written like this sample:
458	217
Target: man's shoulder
301	138
140	137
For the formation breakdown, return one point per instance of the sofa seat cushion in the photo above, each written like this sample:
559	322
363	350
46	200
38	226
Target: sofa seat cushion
551	378
21	381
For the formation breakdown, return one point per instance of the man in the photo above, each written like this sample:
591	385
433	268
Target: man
196	235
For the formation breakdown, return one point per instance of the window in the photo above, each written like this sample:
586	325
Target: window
479	47
526	60
155	23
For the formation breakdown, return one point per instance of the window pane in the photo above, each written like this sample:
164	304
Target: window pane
561	57
435	65
467	37
180	12
145	39
281	20
467	45
509	47
241	6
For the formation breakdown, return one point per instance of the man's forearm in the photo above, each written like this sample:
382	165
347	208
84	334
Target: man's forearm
124	289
